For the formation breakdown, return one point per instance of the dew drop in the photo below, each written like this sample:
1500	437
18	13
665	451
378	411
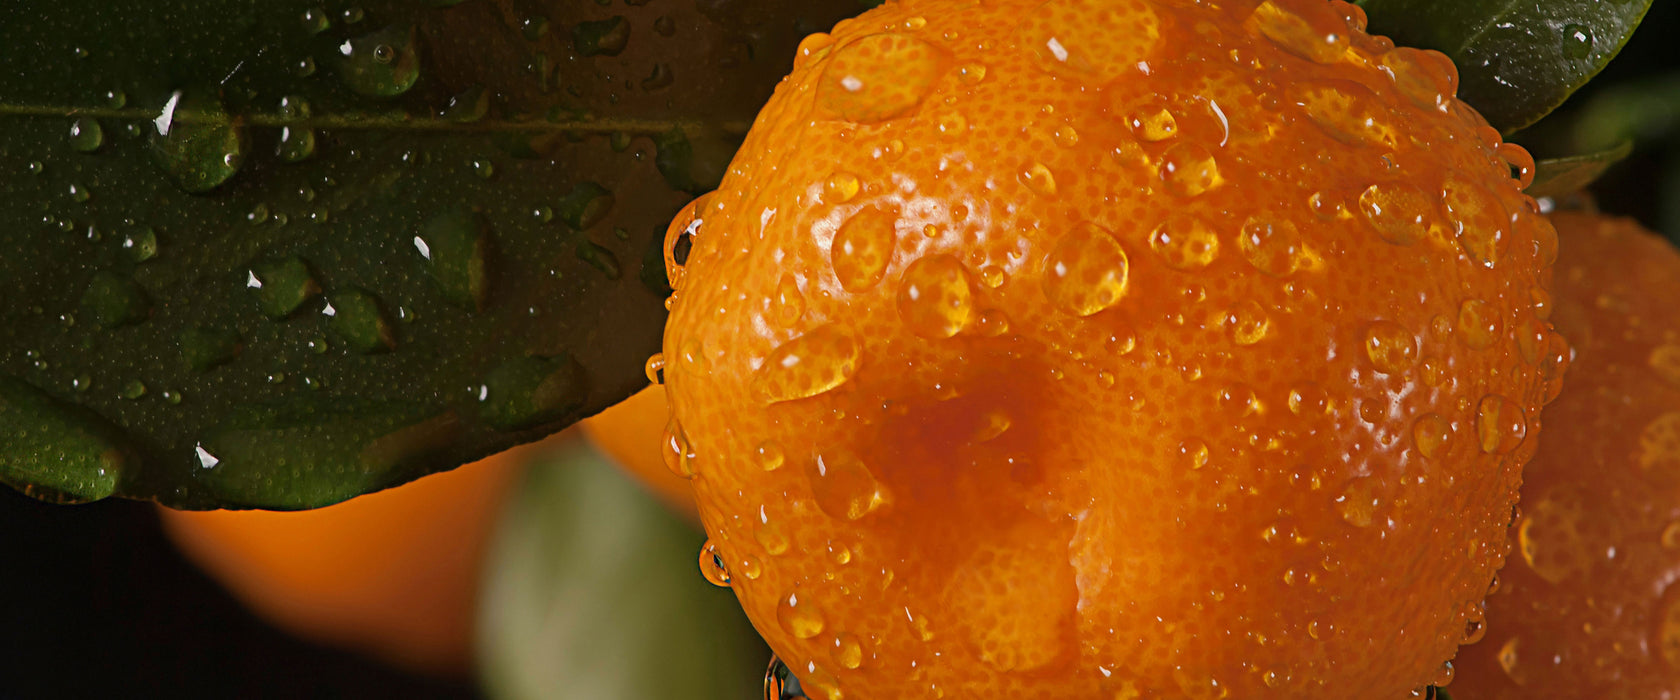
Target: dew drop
841	187
863	247
788	304
1076	39
1086	272
1398	212
1193	453
769	456
1478	324
677	451
1391	347
847	650
1185	243
1153	123
935	299
1038	178
1479	221
1248	323
1189	170
1500	424
879	77
1272	245
355	316
86	135
1320	37
812	364
381	64
1358	504
1431	433
196	142
1577	41
712	566
454	244
1349	113
844	487
800	619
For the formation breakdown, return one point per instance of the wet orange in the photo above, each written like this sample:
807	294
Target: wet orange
1589	609
1119	349
393	574
630	432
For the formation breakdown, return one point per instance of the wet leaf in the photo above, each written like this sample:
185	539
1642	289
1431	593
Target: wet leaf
594	592
1556	177
1517	61
278	254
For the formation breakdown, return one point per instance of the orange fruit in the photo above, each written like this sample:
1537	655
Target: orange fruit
393	574
1589	609
1132	348
631	433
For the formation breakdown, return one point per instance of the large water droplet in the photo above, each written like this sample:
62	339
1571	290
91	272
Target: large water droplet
53	451
879	77
863	247
453	243
1077	38
1431	433
1271	244
1188	170
1087	271
843	485
1391	347
1038	178
354	315
1500	424
1577	41
1248	323
195	142
1185	243
935	299
86	135
1478	324
281	286
798	618
1428	78
1349	113
385	63
1478	219
1399	212
811	364
1317	34
847	651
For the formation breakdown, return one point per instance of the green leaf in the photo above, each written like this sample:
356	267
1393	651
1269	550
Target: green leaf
1556	177
593	592
1517	59
277	254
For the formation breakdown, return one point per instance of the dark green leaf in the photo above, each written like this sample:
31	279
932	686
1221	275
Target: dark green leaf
593	592
277	254
1555	177
1517	59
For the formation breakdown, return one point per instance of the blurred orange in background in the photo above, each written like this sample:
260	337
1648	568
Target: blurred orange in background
632	433
392	574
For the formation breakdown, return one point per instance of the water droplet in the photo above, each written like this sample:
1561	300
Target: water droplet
1349	113
1478	219
780	683
133	390
483	168
1185	243
654	368
315	21
1189	170
112	300
841	187
354	315
844	487
1086	272
1478	324
1428	78
80	193
770	536
935	300
800	619
86	135
1077	39
525	392
1577	41
1399	212
295	145
281	286
1665	361
116	99
992	425
951	124
972	74
770	456
195	142
812	364
142	244
56	452
1431	433
712	566
1358	504
1318	36
1272	245
1153	123
534	28
879	77
1248	323
863	247
788	305
1500	424
1391	347
677	450
384	63
847	651
605	37
453	243
203	348
1039	179
1066	136
1194	453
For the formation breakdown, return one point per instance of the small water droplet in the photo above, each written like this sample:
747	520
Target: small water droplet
1272	245
1577	41
1551	535
355	316
1478	324
1391	347
1086	272
1399	212
1358	504
1038	178
141	244
453	243
196	142
133	389
1076	39
1248	323
383	63
841	187
281	286
1193	453
1317	34
712	566
800	619
1431	433
1500	424
770	456
847	650
1478	219
315	21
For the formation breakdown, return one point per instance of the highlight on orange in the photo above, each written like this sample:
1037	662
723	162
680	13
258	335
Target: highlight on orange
393	574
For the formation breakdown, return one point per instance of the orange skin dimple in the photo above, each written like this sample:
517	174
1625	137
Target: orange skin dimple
1131	406
1586	606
